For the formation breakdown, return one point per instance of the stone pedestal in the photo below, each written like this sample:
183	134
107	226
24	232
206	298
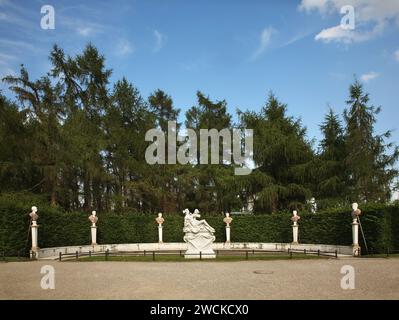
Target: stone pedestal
199	245
295	233
93	235
34	250
227	234
160	239
355	238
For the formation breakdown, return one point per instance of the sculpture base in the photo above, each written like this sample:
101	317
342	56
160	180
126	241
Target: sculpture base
356	250
199	246
34	253
200	256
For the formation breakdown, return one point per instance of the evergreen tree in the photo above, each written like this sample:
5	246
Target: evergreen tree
370	168
330	170
206	189
84	81
282	157
40	99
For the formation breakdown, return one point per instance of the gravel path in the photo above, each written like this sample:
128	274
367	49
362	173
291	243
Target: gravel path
280	279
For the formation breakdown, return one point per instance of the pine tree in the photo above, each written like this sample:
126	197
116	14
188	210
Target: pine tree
83	80
282	157
330	169
41	100
371	169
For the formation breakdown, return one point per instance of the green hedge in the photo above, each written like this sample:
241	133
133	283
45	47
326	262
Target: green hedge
59	228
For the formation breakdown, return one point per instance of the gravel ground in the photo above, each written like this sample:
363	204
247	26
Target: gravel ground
280	279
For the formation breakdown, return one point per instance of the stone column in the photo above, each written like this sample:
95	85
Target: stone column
355	237
160	221
227	234
295	233
34	228
160	240
34	231
295	218
93	235
227	220
93	219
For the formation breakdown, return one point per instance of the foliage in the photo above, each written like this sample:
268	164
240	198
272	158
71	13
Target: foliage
60	228
79	141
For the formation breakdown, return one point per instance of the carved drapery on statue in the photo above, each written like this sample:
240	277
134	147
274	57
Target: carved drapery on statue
199	236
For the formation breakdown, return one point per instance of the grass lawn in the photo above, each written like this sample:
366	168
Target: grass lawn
14	259
174	258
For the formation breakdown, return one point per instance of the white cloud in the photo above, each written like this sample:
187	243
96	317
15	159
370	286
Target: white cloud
369	76
83	28
397	55
296	38
160	40
372	18
124	48
338	34
264	41
85	31
309	5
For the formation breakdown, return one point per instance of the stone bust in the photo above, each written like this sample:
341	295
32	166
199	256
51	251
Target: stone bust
356	212
93	218
227	220
159	219
295	217
34	216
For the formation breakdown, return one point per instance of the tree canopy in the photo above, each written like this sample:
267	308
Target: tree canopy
79	140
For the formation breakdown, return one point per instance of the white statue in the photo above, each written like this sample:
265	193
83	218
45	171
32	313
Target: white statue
198	235
93	218
159	219
191	224
34	216
227	220
34	231
313	205
356	212
295	217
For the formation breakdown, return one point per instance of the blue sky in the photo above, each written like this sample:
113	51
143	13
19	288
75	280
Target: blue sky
235	50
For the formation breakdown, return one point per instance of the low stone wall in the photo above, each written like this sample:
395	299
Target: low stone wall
53	253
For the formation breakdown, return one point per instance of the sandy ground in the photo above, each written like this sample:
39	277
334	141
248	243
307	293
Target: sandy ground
284	279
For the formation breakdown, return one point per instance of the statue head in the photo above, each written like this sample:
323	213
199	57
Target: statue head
196	211
355	206
227	214
160	215
186	211
93	213
34	209
295	213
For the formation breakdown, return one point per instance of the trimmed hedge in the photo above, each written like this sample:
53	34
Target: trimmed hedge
58	228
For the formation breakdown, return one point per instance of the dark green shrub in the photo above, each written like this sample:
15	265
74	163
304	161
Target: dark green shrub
58	228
